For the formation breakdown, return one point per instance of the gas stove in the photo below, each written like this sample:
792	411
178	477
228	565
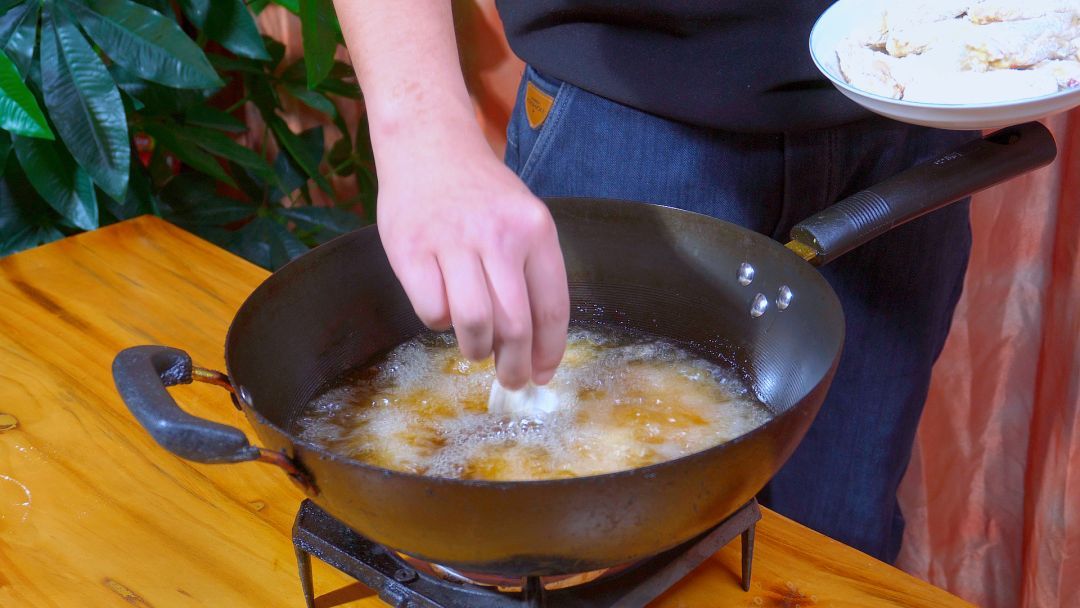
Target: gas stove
405	582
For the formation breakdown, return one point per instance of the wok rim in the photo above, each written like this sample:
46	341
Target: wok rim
328	247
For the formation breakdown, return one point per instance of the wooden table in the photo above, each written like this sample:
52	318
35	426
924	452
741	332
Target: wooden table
94	513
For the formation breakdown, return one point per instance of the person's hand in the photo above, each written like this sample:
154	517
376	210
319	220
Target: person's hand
469	243
475	250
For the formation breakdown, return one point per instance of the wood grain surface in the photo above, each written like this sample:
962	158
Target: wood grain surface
94	513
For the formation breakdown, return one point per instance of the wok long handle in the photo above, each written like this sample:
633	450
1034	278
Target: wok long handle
927	187
142	374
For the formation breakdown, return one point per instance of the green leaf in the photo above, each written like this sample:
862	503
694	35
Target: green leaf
257	6
290	176
5	148
30	237
19	232
217	235
317	24
156	98
341	88
367	192
339	155
339	82
219	144
295	73
313	99
253	185
267	243
208	116
187	152
196	10
160	169
192	200
293	6
328	222
342	126
18	34
139	200
214	142
363	140
302	150
262	94
366	181
13	15
25	220
230	23
84	103
276	50
146	43
161	6
136	104
237	64
62	183
19	111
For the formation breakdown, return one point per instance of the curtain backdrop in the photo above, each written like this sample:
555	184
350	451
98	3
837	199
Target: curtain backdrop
992	497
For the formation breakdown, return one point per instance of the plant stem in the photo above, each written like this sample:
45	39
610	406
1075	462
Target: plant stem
266	131
337	169
239	102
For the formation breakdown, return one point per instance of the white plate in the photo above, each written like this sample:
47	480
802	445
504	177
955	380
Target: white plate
845	16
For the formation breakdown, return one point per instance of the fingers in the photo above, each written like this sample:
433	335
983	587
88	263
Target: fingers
423	283
549	304
512	340
498	278
470	302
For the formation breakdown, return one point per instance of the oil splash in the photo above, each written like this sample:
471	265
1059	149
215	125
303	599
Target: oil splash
25	504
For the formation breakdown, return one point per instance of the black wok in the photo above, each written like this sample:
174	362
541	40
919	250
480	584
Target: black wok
663	270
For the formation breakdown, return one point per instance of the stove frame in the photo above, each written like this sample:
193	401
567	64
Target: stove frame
316	533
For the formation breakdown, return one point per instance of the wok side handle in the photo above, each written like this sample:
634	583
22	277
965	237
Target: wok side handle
934	184
142	374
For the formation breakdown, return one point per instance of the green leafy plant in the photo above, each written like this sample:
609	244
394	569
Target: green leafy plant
111	109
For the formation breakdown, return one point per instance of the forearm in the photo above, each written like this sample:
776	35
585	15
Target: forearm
405	56
473	248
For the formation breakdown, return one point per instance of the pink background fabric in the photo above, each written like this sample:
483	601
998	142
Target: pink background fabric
992	497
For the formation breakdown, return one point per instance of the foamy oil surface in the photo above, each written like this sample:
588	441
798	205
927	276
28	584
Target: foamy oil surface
626	400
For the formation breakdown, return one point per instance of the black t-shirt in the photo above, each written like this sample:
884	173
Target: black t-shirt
737	65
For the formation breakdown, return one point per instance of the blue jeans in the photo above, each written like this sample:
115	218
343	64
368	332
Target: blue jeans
898	291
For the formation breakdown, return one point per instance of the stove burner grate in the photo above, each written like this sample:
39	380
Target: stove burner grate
401	585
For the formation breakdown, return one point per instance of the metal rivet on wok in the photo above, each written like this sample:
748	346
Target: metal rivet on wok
746	274
245	396
783	300
405	575
760	305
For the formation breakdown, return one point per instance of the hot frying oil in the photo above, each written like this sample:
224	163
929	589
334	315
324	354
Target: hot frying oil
626	400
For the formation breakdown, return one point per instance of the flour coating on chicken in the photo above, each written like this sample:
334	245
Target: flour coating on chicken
870	71
962	52
1023	43
1065	71
875	32
1016	10
988	87
920	38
